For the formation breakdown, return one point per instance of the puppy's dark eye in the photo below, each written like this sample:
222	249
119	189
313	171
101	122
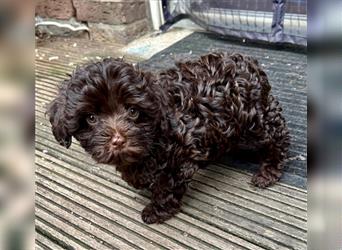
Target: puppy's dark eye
133	113
91	119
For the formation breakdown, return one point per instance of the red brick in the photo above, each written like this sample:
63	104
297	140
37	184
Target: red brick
110	11
59	9
122	33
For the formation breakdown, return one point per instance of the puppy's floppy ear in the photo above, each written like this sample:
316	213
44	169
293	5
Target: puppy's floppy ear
56	112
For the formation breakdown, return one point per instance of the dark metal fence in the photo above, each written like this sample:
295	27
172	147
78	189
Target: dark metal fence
277	21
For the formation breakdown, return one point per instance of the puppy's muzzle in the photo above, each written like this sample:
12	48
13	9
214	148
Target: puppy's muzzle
117	141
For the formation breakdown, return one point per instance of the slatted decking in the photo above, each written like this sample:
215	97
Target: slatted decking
82	205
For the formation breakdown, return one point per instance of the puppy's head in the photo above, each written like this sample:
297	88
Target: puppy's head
114	110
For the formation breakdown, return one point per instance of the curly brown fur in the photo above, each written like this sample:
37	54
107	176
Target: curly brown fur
159	129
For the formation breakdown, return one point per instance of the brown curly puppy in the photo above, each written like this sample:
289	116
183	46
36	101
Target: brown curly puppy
159	129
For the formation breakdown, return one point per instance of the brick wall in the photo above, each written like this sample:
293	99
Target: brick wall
118	20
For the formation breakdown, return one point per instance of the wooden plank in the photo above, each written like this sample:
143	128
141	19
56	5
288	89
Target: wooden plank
45	243
198	183
244	177
101	188
266	221
68	156
65	236
86	226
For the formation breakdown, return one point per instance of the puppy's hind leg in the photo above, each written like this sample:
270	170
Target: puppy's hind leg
276	146
167	193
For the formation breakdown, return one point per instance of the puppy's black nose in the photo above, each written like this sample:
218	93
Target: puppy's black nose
118	140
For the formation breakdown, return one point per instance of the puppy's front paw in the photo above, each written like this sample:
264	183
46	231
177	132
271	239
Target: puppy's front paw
149	215
263	182
153	214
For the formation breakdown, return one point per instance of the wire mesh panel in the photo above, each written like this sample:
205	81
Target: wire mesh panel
278	21
295	22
